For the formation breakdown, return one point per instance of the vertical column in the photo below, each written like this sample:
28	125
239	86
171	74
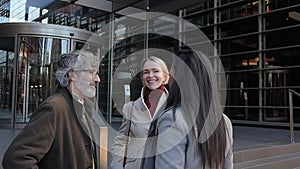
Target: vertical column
216	35
146	38
217	48
110	66
261	58
15	82
103	148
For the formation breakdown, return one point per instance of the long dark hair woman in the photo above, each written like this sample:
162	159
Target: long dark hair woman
193	132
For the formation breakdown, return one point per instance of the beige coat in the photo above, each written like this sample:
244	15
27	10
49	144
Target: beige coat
141	119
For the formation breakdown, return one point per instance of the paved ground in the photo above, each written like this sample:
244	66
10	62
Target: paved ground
244	138
6	136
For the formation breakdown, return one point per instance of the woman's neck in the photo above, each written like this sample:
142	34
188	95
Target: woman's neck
152	97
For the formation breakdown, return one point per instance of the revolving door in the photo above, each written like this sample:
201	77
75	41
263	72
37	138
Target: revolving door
29	53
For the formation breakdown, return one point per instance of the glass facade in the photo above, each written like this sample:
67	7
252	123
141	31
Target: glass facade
258	45
257	41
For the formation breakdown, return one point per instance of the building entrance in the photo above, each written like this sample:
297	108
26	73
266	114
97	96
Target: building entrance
29	53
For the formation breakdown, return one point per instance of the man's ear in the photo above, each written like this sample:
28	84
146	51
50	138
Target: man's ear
72	76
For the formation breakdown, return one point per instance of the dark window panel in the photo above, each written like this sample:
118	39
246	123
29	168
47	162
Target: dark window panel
242	113
284	37
234	28
240	44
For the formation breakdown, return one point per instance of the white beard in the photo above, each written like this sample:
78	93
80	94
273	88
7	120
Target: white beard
85	88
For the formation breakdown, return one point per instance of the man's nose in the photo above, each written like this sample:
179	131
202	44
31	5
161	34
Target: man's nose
97	78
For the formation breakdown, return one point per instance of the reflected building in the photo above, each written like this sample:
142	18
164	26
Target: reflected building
256	40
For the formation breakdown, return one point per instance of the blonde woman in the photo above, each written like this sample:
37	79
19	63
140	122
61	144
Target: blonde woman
138	115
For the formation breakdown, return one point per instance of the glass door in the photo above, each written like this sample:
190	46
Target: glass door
6	78
35	74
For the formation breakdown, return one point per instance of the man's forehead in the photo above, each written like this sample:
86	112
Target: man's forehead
89	67
96	63
89	61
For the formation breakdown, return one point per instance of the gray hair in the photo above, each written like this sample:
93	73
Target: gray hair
77	59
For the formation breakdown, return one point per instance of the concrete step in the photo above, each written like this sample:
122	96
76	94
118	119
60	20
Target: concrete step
287	161
275	157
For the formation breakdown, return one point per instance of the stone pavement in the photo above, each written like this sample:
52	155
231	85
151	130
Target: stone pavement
6	136
245	138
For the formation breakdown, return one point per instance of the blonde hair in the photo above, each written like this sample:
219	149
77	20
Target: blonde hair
162	64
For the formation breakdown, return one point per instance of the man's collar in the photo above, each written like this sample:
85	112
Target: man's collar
75	96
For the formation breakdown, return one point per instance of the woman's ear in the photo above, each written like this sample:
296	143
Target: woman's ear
165	81
72	76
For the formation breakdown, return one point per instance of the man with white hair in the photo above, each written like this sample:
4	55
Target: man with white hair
59	134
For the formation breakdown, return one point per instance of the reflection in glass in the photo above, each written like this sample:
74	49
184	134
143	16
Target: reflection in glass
6	79
277	95
36	66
